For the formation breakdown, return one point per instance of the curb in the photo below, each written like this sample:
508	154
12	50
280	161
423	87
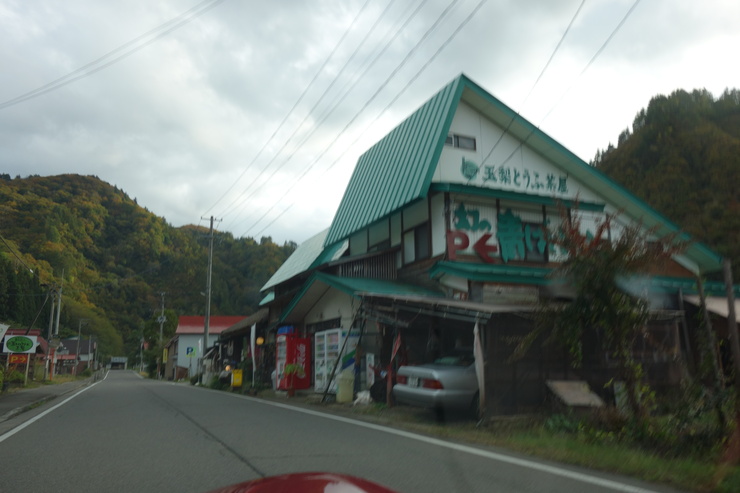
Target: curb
40	401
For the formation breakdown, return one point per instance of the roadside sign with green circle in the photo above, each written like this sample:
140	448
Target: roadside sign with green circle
20	344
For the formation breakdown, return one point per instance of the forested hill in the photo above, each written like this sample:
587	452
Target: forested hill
114	259
682	157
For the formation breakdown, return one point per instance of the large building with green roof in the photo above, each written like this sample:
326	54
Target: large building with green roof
445	223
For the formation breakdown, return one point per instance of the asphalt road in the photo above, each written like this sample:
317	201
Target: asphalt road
130	434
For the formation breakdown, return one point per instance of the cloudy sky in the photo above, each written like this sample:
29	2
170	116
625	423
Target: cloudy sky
256	112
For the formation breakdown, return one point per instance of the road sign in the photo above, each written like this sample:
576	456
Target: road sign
190	352
20	344
17	359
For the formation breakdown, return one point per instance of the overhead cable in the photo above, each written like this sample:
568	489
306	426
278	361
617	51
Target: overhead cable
371	99
290	112
385	109
117	54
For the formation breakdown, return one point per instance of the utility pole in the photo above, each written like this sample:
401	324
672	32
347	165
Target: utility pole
161	319
59	306
47	367
207	323
79	343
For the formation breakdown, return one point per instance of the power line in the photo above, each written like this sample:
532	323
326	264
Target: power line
326	114
370	100
7	245
290	112
590	62
539	77
95	66
408	84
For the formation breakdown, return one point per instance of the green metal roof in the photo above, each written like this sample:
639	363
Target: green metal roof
319	283
270	297
398	169
492	272
540	276
309	254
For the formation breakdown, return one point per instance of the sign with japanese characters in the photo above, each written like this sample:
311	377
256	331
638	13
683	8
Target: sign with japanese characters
520	178
478	229
20	344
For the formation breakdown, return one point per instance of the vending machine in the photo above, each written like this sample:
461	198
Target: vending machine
328	345
295	353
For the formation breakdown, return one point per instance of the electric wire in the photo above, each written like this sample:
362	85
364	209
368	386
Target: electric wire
539	77
400	65
326	114
387	107
7	245
290	112
562	96
94	66
243	195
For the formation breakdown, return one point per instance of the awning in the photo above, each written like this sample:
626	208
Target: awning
245	324
319	284
492	272
716	304
449	308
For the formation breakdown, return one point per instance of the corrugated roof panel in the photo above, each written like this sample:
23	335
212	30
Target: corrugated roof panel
299	261
398	169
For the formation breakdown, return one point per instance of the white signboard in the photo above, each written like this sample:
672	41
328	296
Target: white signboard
20	344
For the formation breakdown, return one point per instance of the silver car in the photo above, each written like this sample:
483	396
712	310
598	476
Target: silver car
445	385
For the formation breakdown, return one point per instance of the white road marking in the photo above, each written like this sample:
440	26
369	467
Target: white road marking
39	416
557	471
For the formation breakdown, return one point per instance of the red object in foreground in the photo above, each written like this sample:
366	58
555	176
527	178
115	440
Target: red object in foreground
307	482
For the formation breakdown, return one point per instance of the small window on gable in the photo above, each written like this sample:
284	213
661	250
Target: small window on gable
461	142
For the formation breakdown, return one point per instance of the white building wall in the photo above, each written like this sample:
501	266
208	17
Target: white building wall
334	304
528	171
438	225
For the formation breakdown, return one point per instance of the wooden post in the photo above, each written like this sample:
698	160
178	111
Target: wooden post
732	325
732	449
712	341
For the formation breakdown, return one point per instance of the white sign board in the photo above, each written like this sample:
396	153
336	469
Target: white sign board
20	344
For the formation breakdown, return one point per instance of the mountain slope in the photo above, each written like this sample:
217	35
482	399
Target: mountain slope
115	258
683	158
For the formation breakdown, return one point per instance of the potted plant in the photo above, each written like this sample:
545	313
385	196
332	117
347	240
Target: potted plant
290	371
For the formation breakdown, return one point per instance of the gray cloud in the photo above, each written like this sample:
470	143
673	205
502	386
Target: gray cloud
177	123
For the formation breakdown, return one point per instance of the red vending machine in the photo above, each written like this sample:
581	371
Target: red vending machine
293	365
